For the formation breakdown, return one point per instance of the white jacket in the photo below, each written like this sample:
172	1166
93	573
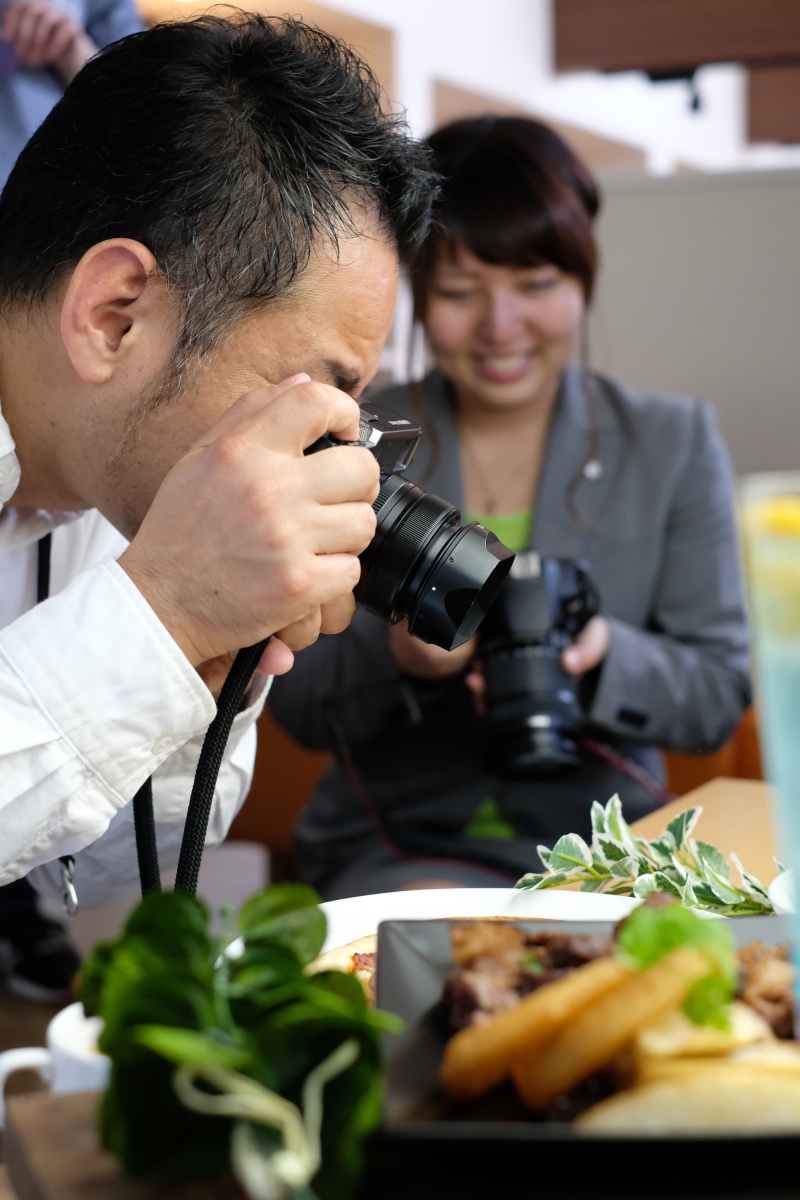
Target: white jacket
95	696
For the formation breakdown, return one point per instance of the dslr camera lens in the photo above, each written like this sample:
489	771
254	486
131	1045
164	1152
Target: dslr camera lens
533	713
422	563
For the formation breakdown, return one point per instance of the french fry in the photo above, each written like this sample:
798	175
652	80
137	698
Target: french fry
600	1032
481	1056
709	1099
765	1058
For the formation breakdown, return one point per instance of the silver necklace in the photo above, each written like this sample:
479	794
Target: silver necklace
492	495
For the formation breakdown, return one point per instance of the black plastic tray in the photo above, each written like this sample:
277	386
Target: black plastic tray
426	1152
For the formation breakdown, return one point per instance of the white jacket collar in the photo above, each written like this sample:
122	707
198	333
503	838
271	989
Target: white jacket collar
20	526
9	463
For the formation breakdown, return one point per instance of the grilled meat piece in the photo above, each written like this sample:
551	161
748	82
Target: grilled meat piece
766	983
498	963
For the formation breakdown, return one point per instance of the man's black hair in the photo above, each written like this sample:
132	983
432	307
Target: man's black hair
228	147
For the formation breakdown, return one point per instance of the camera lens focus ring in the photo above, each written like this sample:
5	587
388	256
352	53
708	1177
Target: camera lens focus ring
407	520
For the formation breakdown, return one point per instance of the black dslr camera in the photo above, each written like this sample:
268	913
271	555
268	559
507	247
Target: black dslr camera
533	714
422	563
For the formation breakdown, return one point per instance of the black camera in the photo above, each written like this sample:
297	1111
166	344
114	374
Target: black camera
422	563
533	713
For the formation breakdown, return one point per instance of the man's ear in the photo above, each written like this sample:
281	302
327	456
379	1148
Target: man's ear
113	298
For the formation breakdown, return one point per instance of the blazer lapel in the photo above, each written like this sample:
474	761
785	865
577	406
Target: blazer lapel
574	491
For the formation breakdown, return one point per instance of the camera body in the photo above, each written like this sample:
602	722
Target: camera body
421	564
533	712
392	439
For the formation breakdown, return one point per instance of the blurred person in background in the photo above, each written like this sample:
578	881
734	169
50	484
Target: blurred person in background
43	45
554	458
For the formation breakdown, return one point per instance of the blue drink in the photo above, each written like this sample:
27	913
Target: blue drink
772	541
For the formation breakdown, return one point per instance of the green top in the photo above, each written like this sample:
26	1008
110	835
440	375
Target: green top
512	529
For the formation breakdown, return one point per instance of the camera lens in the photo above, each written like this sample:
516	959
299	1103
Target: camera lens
534	717
424	565
532	713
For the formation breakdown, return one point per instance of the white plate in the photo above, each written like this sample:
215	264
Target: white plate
781	892
360	915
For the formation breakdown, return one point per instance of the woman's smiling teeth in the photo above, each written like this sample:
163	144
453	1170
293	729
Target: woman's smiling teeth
503	365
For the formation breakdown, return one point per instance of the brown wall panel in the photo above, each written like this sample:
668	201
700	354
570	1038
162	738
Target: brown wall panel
662	35
373	42
604	155
773	104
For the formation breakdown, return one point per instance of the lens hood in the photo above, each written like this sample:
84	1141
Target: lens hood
423	565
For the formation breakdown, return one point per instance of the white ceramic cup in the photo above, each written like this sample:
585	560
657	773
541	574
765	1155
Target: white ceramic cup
71	1062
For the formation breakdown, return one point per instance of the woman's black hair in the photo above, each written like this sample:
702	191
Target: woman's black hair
515	194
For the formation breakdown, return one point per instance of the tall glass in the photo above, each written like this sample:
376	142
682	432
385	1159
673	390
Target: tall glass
771	524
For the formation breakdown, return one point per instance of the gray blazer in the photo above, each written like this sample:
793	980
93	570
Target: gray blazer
656	524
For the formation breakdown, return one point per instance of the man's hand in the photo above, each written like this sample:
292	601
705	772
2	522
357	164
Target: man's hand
249	538
586	652
425	661
44	36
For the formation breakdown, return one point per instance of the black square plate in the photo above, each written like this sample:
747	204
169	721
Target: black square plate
424	1152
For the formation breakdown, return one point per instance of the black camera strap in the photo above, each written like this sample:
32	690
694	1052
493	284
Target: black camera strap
205	780
44	551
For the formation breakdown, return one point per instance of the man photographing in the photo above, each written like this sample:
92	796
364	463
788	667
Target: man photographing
199	253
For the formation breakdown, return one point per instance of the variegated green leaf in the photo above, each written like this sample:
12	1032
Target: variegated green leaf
663	847
711	858
621	864
545	854
657	882
722	888
534	882
598	815
704	895
676	873
625	868
594	885
683	870
616	824
680	827
752	886
609	849
570	852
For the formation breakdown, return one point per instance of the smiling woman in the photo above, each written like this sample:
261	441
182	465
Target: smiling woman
562	463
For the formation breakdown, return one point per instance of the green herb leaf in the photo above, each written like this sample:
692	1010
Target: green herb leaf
186	1046
167	996
710	857
569	852
598	815
621	864
617	826
286	915
541	882
681	826
650	933
610	849
657	882
708	1001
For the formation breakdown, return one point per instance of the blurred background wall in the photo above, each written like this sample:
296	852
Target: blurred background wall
699	292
